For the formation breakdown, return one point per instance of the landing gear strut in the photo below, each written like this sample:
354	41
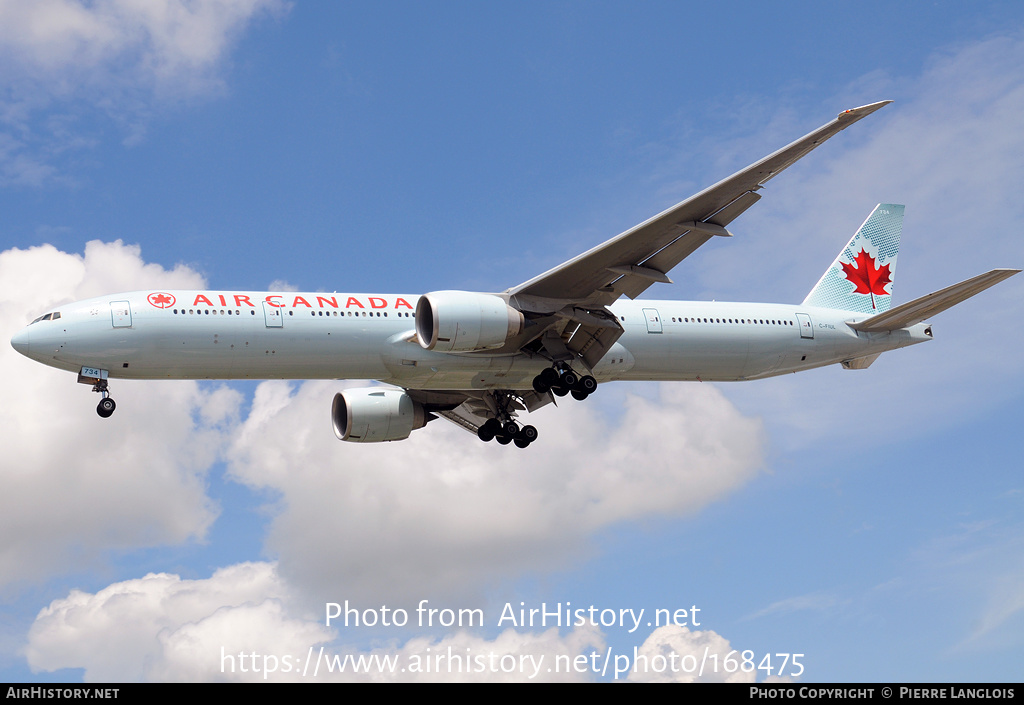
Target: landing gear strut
561	380
106	406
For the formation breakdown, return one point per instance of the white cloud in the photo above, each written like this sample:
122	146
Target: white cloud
61	60
137	620
442	515
282	285
76	485
235	626
673	654
163	45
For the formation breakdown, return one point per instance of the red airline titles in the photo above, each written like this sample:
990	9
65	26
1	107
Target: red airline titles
321	301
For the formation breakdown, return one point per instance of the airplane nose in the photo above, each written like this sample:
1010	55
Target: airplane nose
20	341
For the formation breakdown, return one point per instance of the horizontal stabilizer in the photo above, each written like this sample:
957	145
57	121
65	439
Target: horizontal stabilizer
920	309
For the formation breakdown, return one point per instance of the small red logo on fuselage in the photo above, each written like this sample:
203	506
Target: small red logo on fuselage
161	299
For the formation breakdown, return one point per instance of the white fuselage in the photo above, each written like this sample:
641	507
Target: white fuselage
256	335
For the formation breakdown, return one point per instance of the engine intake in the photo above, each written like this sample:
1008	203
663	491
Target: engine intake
462	321
375	414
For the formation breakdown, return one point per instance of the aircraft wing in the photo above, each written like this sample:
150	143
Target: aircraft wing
643	255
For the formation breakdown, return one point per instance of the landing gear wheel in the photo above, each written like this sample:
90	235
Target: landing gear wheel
527	434
488	430
569	379
511	429
584	387
543	382
106	407
559	390
587	384
503	439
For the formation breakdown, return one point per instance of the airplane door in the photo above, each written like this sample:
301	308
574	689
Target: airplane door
121	314
653	320
273	316
806	330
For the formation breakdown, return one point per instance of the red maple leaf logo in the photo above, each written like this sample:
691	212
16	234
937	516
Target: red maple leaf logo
867	276
161	300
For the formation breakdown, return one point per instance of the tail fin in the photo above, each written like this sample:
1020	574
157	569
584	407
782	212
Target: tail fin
861	277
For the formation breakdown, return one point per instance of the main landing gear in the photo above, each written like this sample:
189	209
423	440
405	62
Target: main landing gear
502	426
561	380
505	433
106	406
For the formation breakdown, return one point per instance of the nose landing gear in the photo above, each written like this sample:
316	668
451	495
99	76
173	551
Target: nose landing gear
106	406
98	379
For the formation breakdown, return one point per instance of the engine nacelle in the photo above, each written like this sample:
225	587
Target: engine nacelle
461	321
375	414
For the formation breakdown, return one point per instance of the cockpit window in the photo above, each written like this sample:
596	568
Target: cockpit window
52	316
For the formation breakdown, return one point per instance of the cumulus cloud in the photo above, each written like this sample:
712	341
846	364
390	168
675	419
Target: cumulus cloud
76	485
673	654
442	514
136	620
159	44
235	626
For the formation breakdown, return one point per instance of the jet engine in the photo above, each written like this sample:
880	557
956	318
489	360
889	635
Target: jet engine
375	414
462	321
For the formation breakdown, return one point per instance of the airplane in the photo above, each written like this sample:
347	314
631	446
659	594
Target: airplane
478	359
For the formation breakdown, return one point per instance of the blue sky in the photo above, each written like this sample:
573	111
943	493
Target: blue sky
871	520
